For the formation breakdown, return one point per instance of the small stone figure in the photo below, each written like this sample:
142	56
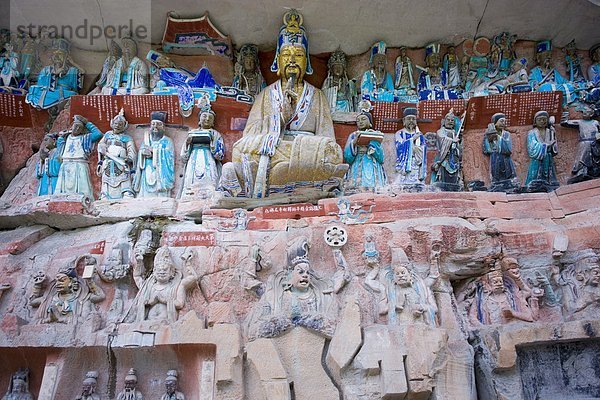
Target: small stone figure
546	78
18	388
573	63
523	299
70	300
433	80
76	145
446	167
116	270
498	145
541	147
247	71
202	154
130	391
9	72
294	297
502	55
451	65
377	84
114	53
56	82
88	391
340	91
404	80
405	297
129	74
364	153
587	158
48	165
155	173
116	161
163	293
171	392
581	287
411	152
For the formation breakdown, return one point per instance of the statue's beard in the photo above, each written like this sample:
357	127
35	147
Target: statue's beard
128	394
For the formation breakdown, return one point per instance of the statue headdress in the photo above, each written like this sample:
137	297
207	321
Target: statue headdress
247	50
498	116
131	375
410	111
365	107
433	48
292	33
337	57
120	117
91	377
543	46
377	48
171	375
158	116
204	105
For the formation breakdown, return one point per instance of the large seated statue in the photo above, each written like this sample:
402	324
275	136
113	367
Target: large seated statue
289	135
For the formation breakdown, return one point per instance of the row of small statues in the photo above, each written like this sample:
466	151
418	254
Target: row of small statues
18	388
447	77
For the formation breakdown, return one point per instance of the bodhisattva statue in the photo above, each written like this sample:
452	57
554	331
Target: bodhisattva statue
541	147
48	165
377	84
446	168
171	387
202	153
88	390
129	74
451	65
164	292
247	71
581	287
116	270
294	296
70	299
498	145
130	391
404	296
76	147
594	68
587	158
411	152
573	63
502	55
155	173
289	135
340	91
116	161
114	53
18	388
404	80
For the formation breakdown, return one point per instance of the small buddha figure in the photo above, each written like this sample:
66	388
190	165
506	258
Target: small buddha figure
433	80
155	172
498	145
202	153
546	78
411	152
48	165
573	63
377	84
163	293
452	67
403	68
129	74
116	160
130	391
340	91
446	168
247	71
364	153
541	147
88	391
171	387
18	387
587	158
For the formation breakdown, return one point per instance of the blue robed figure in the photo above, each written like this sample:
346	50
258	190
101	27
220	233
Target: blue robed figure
541	147
498	145
48	165
411	151
545	78
366	161
377	83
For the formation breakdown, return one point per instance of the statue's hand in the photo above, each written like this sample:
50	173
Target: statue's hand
146	152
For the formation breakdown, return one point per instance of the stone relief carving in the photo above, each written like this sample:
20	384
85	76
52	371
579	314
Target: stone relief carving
171	388
18	388
88	390
130	391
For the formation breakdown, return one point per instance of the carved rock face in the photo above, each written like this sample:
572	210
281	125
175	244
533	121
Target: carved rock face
300	279
63	283
402	276
163	272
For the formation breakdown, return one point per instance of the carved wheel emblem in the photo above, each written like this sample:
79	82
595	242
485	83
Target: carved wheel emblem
336	236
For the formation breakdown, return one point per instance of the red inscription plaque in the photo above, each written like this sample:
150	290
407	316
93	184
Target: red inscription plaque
293	211
184	239
16	113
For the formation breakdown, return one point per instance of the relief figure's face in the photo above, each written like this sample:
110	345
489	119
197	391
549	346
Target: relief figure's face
300	279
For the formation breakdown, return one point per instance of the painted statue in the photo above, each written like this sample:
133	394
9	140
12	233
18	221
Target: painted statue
587	158
339	90
294	297
48	165
77	146
116	161
546	78
247	71
377	84
71	299
88	391
446	168
541	147
162	294
451	65
130	390
594	68
9	72
516	82
573	63
171	388
202	154
404	296
289	135
155	172
502	55
433	80
403	69
411	152
56	82
364	153
114	54
498	145
18	387
129	74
